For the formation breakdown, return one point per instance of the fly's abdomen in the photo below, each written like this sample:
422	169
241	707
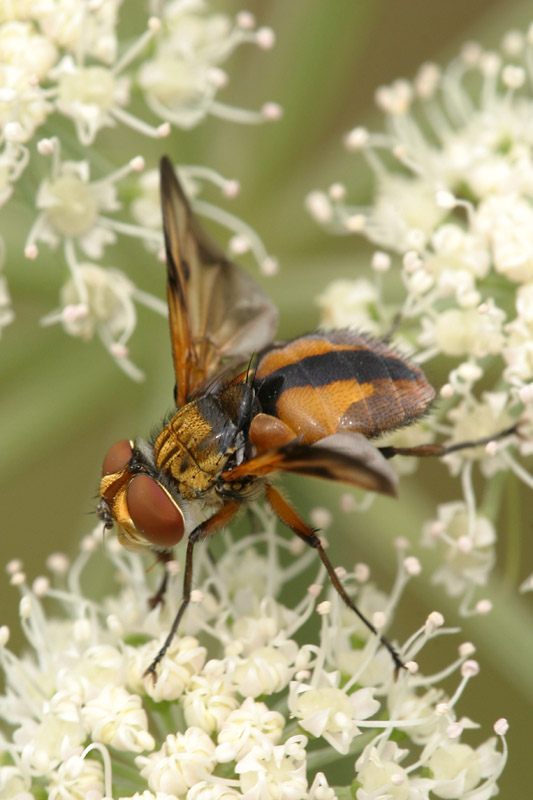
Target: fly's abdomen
323	383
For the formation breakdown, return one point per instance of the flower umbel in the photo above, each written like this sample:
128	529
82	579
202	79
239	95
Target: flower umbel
454	195
83	718
64	64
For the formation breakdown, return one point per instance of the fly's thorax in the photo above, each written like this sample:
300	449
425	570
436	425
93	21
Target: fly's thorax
196	445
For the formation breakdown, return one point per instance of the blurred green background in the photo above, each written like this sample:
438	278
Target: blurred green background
64	402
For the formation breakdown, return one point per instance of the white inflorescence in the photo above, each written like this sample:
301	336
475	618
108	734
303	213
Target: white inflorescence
63	64
453	210
244	706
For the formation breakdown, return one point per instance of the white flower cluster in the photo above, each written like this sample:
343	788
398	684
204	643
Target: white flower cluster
454	199
63	63
242	708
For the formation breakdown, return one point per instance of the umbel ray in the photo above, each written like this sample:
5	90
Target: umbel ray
310	406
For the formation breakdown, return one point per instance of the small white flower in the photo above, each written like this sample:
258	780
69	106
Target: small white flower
45	743
182	78
146	207
458	260
409	704
101	665
518	352
402	206
454	250
77	777
380	769
461	332
98	298
21	102
319	206
116	717
209	700
265	671
456	770
326	710
370	672
25	59
462	566
507	222
71	25
320	790
253	627
351	304
524	303
395	99
13	783
71	206
23	47
277	775
101	301
183	760
492	761
247	726
475	419
87	83
14	158
207	790
183	659
89	95
177	88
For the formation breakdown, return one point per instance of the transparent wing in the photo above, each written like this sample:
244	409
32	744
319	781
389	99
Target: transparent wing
219	316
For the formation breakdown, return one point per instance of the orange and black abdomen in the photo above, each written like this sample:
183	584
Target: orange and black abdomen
323	383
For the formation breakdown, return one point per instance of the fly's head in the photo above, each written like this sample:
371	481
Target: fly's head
133	497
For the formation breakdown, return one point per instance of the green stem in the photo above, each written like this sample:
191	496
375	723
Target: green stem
513	529
492	496
343	792
126	776
327	755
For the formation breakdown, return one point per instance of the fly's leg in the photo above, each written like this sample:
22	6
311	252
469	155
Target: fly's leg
159	596
289	517
219	520
423	450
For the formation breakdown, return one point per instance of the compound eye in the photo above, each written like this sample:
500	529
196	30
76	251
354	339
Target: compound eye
153	512
117	457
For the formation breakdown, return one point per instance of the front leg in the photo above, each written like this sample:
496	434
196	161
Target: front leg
219	520
157	598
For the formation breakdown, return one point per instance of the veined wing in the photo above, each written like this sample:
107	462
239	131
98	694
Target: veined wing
219	316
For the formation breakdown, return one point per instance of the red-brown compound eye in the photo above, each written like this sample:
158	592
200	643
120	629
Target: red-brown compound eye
153	511
117	457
